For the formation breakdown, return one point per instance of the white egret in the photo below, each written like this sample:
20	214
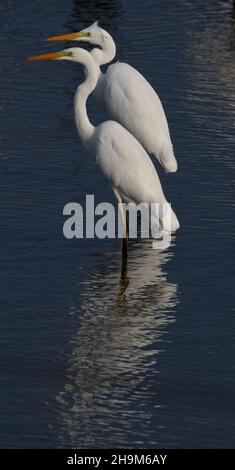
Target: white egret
120	156
128	97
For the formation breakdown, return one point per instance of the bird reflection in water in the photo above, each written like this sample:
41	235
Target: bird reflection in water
124	281
113	369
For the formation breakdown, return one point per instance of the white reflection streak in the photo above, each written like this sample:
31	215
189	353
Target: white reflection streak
122	319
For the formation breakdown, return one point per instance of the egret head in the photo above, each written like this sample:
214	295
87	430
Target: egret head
74	54
93	34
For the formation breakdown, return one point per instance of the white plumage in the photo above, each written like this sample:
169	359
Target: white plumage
128	97
120	156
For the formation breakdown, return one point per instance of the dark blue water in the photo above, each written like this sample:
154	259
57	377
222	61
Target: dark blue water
93	353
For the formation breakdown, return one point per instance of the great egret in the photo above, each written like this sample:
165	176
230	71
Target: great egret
120	156
128	97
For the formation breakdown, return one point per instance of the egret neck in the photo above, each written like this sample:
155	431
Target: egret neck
107	52
84	126
103	56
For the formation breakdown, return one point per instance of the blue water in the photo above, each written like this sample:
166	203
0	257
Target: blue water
93	353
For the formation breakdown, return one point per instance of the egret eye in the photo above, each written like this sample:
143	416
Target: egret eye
68	53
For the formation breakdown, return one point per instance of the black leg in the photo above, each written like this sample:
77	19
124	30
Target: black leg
124	249
124	280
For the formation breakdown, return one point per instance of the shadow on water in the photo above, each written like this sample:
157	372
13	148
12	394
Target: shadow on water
108	12
113	370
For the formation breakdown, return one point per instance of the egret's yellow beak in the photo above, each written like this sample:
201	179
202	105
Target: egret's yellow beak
50	56
70	37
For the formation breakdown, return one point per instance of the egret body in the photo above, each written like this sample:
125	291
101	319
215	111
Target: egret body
120	156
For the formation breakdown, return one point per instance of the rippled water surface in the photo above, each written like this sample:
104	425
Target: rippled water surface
94	352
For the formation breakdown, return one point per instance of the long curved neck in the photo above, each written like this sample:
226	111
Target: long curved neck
107	52
84	126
